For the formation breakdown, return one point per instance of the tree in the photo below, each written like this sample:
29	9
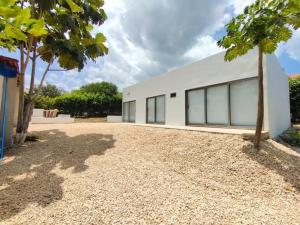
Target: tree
103	88
264	24
51	91
295	97
62	31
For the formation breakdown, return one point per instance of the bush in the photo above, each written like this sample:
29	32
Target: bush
295	98
96	99
292	137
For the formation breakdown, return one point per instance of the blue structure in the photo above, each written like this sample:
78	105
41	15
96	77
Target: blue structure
8	69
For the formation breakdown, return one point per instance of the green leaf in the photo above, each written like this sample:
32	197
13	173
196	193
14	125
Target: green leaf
38	29
89	27
100	38
74	7
104	48
22	17
6	3
13	32
8	12
268	46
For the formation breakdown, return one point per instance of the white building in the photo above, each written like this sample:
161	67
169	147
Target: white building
212	92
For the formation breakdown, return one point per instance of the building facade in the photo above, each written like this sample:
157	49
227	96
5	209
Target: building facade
212	92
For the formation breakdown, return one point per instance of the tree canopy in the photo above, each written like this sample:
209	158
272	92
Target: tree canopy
101	88
94	99
295	97
51	91
264	23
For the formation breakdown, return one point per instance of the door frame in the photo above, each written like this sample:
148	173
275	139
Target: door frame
155	100
123	119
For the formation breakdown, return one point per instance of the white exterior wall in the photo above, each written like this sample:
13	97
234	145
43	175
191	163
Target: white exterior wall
210	71
277	111
10	108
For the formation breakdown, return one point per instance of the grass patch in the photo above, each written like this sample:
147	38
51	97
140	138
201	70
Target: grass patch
292	137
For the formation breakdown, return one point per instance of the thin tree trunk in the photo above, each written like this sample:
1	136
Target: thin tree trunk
23	65
28	109
260	108
31	95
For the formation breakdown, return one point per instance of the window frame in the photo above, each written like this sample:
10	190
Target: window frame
123	119
155	106
205	102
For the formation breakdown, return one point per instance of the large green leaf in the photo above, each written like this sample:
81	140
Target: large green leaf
74	7
38	29
22	17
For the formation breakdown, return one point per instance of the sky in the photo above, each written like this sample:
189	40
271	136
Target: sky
148	38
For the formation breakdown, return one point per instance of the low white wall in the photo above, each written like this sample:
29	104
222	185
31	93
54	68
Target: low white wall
114	119
38	113
56	120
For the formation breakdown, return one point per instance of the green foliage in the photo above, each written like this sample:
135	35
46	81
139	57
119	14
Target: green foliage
292	137
70	37
17	24
264	23
95	99
51	91
63	29
295	97
103	88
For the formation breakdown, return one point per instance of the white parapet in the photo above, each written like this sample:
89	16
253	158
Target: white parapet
114	119
38	113
56	120
38	118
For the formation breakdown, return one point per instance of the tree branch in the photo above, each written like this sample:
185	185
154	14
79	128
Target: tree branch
43	78
59	70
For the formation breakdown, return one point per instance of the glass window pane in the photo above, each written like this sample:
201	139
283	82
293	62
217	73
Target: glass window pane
217	105
160	109
132	111
126	112
151	110
244	97
196	107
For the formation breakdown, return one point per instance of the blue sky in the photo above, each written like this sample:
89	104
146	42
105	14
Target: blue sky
147	38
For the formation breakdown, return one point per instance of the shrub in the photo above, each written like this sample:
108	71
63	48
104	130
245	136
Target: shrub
295	97
292	137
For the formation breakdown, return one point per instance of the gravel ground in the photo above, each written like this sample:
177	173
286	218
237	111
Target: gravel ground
88	173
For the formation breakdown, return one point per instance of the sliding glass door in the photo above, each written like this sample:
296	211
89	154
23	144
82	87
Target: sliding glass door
156	109
129	111
196	107
217	105
233	103
243	99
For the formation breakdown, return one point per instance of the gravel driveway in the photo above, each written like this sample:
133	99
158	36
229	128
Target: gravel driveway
89	173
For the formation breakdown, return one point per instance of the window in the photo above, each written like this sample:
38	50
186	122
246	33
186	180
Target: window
129	111
243	101
156	109
173	95
196	107
233	103
217	105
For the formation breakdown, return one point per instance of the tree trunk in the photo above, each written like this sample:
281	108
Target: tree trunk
28	109
23	64
260	108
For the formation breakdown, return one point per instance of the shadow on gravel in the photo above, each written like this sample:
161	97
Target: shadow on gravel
27	177
285	164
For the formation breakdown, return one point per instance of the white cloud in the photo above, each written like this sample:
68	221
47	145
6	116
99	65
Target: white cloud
147	38
292	47
205	46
